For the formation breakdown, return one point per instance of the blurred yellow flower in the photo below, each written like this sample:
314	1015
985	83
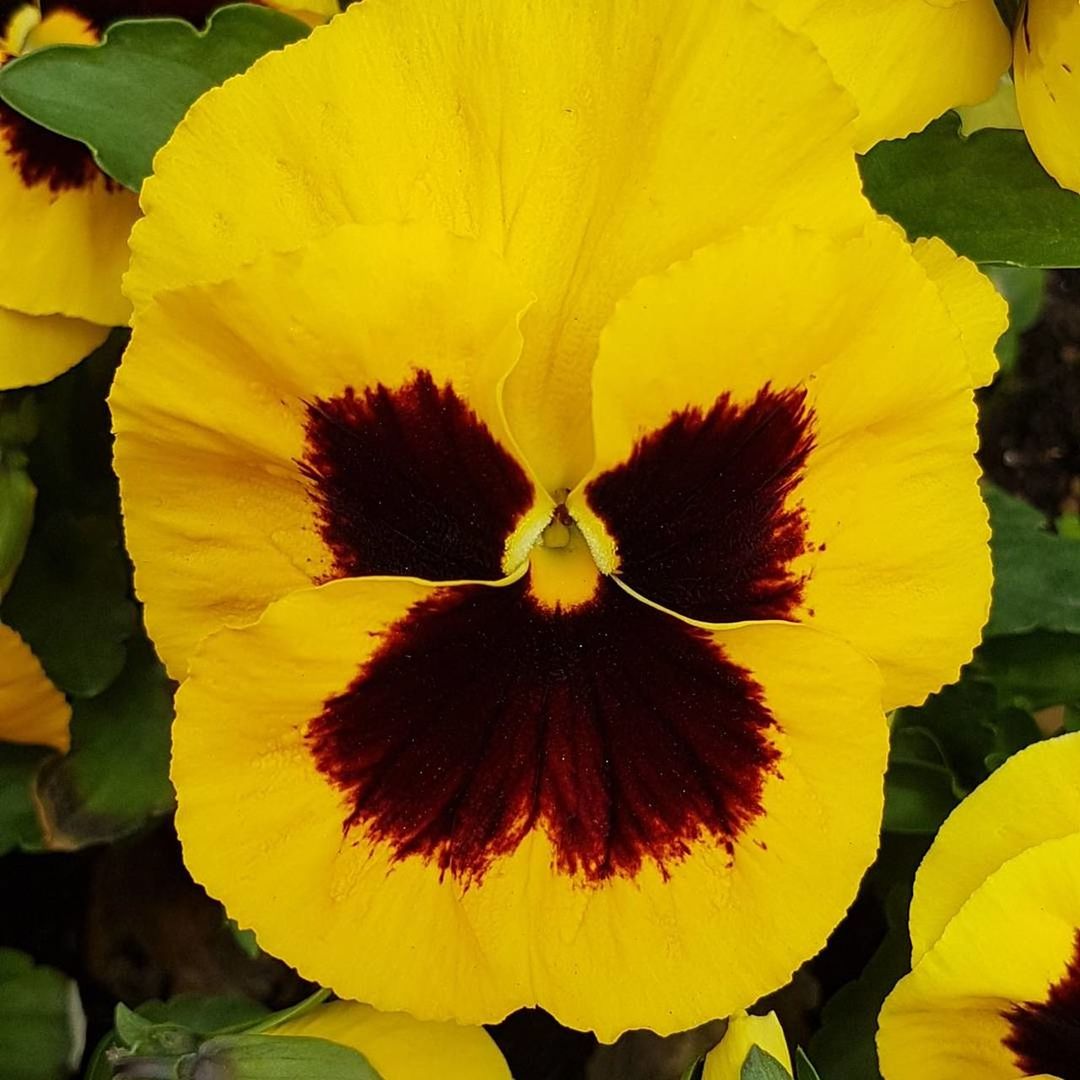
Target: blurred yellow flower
994	990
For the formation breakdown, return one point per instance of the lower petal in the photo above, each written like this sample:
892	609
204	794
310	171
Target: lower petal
38	348
427	800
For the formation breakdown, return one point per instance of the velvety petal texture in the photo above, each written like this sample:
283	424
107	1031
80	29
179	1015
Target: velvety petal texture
994	990
1046	68
399	1047
32	710
905	61
601	160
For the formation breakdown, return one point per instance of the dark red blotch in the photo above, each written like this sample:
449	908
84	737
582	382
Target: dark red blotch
622	732
698	511
1045	1035
409	482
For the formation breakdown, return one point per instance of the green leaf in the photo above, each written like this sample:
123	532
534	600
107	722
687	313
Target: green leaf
918	797
70	601
17	495
761	1065
116	775
204	1015
42	1025
19	825
270	1057
1033	671
987	196
1024	289
804	1068
98	94
1036	573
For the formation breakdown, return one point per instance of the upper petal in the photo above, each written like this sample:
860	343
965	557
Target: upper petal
906	61
32	710
456	801
1046	67
330	412
589	144
36	348
785	429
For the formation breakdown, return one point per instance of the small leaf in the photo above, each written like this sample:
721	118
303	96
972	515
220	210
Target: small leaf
918	797
130	1027
124	97
42	1025
1036	573
116	776
761	1065
205	1015
804	1069
17	496
986	196
1024	289
273	1057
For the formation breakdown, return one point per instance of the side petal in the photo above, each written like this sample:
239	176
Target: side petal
976	1003
64	241
978	310
400	1047
785	429
32	710
904	62
1046	67
332	412
628	135
1032	798
36	348
617	812
743	1033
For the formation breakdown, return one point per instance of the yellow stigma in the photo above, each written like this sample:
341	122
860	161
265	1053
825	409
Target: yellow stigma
562	572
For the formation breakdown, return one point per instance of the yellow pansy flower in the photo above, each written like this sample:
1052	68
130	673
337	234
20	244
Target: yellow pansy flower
538	460
32	710
743	1033
399	1047
994	990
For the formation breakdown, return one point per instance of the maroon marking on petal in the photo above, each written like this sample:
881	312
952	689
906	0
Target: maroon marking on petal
1045	1036
622	732
698	511
43	157
410	482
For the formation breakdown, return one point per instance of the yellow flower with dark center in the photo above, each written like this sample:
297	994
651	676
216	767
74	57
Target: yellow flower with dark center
400	1048
66	224
528	416
995	927
32	710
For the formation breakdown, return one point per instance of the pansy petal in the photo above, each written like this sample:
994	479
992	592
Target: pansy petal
66	226
980	313
1046	69
904	62
37	348
400	1047
995	995
32	710
1033	797
328	412
589	144
395	783
743	1033
814	462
